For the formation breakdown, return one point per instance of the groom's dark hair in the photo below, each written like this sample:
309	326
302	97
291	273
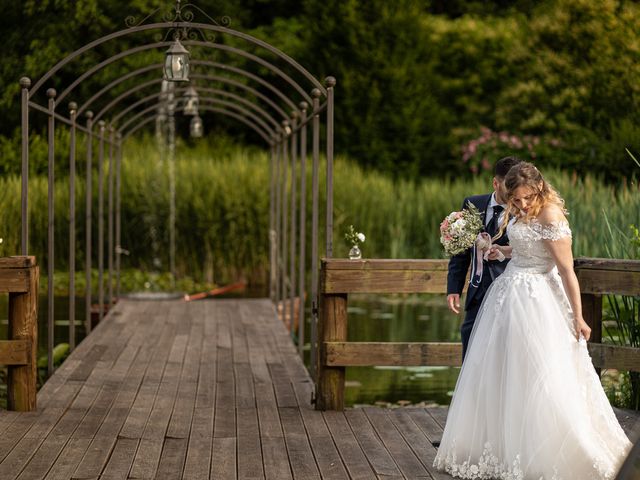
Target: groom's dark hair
504	165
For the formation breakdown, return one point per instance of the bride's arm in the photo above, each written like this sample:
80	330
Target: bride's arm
560	250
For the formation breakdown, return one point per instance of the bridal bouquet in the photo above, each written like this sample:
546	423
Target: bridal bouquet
459	230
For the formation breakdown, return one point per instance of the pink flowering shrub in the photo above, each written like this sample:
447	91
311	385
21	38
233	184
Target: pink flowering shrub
480	153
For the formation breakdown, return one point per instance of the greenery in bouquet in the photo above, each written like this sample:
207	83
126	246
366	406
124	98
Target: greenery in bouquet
458	230
352	237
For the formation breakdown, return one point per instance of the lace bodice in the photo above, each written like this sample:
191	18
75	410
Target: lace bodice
529	251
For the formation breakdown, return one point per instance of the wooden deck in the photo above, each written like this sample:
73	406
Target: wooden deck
210	389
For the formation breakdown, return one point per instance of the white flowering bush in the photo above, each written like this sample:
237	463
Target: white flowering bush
459	230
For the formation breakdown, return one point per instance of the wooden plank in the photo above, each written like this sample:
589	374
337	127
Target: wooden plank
406	460
385	264
609	281
439	414
327	456
180	422
417	440
376	453
615	356
426	423
23	325
301	457
17	261
275	458
225	411
249	445
198	461
68	459
393	353
223	462
606	264
15	352
352	455
384	281
120	460
172	458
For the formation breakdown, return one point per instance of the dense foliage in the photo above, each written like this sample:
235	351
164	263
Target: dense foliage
420	83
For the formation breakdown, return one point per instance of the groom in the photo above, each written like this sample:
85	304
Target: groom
491	206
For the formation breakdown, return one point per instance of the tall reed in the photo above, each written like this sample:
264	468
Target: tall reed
222	211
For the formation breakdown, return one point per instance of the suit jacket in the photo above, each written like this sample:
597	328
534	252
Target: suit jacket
459	264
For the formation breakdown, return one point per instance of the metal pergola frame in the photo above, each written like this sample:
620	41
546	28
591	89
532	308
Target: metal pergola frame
284	133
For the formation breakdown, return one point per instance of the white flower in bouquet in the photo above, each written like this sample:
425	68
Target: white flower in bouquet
459	230
353	237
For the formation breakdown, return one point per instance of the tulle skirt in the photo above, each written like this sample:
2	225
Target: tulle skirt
528	404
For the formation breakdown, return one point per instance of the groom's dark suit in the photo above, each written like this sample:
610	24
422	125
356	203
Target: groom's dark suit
459	266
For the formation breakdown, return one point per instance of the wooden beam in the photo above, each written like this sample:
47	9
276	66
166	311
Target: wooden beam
14	280
619	282
385	264
606	264
615	356
15	352
351	354
23	325
17	262
331	327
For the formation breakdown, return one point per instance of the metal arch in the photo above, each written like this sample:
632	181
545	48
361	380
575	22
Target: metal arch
156	81
221	66
250	75
256	59
116	82
241	100
242	86
270	133
174	25
258	109
151	46
124	95
223	111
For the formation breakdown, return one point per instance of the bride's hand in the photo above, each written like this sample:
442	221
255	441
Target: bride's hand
581	328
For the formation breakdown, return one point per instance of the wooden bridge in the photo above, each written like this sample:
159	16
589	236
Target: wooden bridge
211	389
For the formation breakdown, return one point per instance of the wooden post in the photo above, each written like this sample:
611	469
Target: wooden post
331	328
592	314
23	329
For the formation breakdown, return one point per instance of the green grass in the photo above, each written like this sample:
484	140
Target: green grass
222	207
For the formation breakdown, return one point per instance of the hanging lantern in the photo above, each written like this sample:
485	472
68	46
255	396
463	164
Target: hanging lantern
176	63
196	128
191	101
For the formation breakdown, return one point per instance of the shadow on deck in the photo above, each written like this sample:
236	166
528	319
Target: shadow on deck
211	389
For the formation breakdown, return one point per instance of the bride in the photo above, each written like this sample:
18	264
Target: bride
528	404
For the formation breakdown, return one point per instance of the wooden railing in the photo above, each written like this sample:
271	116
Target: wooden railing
339	278
19	277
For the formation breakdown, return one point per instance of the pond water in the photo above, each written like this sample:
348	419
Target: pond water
405	318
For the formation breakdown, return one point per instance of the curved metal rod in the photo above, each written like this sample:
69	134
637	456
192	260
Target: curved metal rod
124	95
270	133
256	59
208	109
196	43
176	25
221	66
239	99
250	75
248	113
116	82
155	81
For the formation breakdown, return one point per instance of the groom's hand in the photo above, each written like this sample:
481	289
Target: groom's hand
453	300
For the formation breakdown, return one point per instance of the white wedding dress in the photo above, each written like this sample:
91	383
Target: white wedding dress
528	404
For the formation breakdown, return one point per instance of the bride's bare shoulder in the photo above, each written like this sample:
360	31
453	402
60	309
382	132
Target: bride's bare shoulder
551	214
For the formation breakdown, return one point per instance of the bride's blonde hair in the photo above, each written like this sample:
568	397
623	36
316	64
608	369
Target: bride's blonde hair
525	174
